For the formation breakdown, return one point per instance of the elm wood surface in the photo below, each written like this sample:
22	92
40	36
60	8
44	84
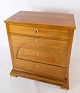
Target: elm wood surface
40	44
55	51
27	43
16	73
39	69
43	18
42	57
42	32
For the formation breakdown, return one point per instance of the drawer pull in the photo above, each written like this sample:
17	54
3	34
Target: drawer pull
36	40
37	66
37	54
36	31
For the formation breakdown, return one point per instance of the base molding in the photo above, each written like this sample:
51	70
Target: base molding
15	73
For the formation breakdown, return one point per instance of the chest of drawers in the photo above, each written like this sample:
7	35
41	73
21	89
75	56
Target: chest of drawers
40	45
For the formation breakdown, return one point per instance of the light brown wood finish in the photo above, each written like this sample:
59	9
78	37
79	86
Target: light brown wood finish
39	69
43	19
43	55
42	32
69	53
61	83
10	43
39	44
55	51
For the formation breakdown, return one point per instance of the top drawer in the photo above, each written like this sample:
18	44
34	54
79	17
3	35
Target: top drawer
39	32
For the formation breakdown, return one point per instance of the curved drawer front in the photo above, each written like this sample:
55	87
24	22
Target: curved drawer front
45	45
41	50
39	32
40	69
39	56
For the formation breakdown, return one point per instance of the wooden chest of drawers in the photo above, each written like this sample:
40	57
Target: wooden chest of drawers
40	45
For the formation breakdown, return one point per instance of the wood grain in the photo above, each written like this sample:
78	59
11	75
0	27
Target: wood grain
10	42
43	55
39	44
69	53
49	51
42	32
43	18
39	56
47	71
61	83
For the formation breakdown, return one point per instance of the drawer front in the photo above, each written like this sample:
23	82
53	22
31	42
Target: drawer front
39	56
39	32
45	50
39	44
40	69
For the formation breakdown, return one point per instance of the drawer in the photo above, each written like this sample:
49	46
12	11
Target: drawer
39	32
39	69
43	57
44	51
39	44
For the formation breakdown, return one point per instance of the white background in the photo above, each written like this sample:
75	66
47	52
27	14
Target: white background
21	85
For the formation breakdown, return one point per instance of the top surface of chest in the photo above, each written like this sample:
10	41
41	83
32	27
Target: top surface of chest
43	18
